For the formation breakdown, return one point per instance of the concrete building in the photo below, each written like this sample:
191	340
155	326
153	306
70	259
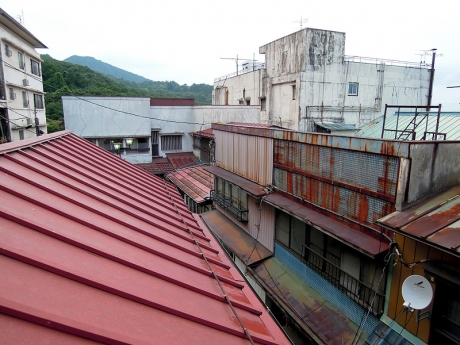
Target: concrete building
308	80
22	107
156	126
298	211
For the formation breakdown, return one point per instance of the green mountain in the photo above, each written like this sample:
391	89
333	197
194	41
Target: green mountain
64	78
105	68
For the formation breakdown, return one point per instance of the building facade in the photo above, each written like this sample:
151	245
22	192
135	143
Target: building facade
22	107
308	79
146	127
304	208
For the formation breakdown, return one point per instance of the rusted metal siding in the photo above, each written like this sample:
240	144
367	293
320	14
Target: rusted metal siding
244	155
359	185
261	223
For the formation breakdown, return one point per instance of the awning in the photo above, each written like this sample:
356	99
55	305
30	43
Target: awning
324	322
360	241
435	221
249	186
240	242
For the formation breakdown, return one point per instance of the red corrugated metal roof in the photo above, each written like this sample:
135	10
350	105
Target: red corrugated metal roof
159	165
182	159
195	182
94	249
205	133
435	221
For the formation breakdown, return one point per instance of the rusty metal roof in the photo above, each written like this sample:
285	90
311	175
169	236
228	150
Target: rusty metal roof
182	159
240	242
159	165
207	133
249	186
96	250
435	221
253	125
360	241
195	182
314	313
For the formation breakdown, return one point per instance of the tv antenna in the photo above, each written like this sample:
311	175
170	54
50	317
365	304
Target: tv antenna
301	21
417	292
239	59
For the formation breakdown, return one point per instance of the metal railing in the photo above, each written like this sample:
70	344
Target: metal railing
351	58
239	72
224	201
354	288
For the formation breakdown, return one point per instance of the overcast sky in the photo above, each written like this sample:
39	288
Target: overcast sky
186	40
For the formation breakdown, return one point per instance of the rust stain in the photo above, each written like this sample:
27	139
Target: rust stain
363	208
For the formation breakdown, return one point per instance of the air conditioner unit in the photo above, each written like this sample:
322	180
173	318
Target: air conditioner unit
9	52
30	121
25	82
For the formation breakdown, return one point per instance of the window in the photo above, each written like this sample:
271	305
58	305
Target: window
25	101
21	134
22	64
293	91
290	231
171	142
8	51
353	89
38	101
263	104
35	67
231	198
143	143
12	94
155	151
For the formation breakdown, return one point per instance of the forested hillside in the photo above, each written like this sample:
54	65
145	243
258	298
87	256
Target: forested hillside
64	78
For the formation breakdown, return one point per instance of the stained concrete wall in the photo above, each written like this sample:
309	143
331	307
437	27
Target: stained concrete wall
313	62
435	166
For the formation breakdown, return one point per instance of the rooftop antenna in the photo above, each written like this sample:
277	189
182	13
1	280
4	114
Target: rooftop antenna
237	59
301	21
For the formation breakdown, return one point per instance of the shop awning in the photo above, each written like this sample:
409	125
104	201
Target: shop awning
246	248
360	241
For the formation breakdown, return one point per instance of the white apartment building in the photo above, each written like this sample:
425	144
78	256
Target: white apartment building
307	80
22	107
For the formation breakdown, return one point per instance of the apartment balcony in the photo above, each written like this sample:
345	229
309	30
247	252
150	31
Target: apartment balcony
358	291
226	203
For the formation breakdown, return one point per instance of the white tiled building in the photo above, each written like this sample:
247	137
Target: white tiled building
22	107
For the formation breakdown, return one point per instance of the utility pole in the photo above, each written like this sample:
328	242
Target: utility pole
430	90
37	123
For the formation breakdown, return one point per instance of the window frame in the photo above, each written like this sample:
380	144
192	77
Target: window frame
22	63
35	68
171	142
353	88
38	101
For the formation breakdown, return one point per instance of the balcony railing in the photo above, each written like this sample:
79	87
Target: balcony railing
355	289
223	201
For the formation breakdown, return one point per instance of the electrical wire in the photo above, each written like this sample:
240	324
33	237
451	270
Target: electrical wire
100	105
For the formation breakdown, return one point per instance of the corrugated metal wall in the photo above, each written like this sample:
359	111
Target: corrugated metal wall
246	155
358	185
263	218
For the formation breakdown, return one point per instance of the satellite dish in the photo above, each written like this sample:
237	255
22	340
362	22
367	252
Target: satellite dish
417	292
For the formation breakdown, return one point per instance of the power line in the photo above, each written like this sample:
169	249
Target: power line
102	106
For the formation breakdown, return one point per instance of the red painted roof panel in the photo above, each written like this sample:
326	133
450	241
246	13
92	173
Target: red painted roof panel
196	182
94	249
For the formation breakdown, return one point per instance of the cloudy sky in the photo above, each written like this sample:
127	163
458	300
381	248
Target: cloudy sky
186	40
